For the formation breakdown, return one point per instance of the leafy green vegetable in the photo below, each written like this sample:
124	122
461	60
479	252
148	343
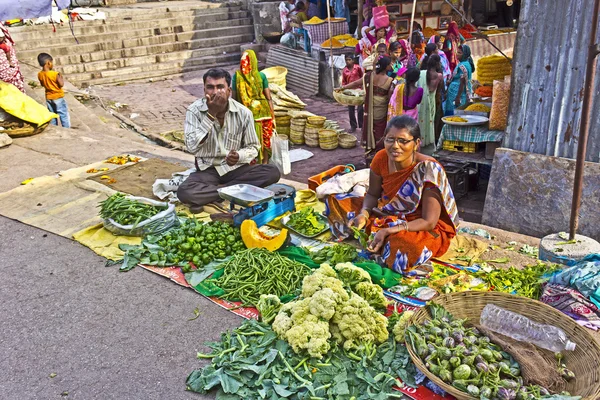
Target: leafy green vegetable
523	282
251	363
306	222
125	211
336	254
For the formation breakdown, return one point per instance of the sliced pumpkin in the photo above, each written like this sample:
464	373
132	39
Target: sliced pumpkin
254	238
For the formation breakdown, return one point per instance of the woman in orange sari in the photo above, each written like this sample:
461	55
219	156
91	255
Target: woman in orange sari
409	210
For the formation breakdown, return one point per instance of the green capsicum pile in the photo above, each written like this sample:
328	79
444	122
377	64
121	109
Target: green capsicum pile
193	241
465	358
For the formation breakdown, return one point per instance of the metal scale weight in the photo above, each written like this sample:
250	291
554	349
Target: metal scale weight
260	205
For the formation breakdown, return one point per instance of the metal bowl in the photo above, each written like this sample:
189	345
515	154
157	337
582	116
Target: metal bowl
272	37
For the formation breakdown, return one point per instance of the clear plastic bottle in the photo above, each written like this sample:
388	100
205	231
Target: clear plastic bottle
523	329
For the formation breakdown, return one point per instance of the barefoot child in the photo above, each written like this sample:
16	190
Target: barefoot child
53	82
353	72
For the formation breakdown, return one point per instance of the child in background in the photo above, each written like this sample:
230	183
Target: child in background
351	73
53	82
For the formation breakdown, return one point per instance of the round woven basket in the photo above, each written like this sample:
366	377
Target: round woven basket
346	100
298	123
309	130
316	121
276	75
311	141
328	139
284	120
584	361
347	141
296	137
283	130
27	130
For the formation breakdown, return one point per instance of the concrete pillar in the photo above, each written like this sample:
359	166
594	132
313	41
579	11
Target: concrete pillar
266	18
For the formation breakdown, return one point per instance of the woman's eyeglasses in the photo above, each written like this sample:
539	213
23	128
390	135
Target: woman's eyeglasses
400	141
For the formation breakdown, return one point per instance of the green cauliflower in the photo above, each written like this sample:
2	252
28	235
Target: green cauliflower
268	305
351	275
311	335
359	322
373	294
283	321
321	279
323	303
401	325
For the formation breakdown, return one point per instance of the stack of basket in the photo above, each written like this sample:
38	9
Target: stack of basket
328	139
311	133
297	127
283	124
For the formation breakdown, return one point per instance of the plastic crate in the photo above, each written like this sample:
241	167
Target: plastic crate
317	180
457	145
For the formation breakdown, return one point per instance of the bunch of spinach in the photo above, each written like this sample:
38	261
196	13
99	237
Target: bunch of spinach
251	363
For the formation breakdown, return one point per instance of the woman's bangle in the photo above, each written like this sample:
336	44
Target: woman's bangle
405	225
363	214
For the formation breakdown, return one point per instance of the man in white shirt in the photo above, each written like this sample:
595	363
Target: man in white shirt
220	132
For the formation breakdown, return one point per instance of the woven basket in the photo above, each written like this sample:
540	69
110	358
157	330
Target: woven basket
296	137
328	139
283	121
347	141
311	141
27	130
309	130
584	361
316	121
283	130
346	100
276	75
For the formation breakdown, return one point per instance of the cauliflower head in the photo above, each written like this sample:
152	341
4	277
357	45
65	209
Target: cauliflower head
358	321
323	303
401	325
327	270
312	336
268	305
351	275
316	281
372	293
283	320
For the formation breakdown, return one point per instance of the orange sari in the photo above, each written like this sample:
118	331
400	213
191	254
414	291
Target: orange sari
401	200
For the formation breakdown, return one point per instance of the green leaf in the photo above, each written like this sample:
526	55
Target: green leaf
282	390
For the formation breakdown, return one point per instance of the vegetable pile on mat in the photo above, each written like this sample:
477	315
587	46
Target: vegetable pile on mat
126	211
254	272
193	241
251	363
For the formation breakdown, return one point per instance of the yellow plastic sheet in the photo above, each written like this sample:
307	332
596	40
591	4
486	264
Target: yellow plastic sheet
19	105
103	242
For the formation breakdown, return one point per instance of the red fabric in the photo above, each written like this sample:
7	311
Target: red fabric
352	76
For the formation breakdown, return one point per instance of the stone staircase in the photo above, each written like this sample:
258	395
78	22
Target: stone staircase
143	41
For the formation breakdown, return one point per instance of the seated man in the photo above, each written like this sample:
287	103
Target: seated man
220	132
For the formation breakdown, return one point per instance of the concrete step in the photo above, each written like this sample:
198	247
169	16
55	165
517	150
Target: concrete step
206	34
139	73
132	61
83	32
225	43
69	41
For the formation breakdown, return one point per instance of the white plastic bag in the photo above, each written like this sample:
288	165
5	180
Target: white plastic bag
280	153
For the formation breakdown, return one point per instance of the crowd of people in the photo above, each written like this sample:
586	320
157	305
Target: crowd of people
423	80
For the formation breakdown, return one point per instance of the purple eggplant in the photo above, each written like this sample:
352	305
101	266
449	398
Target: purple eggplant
509	384
448	342
506	394
458	337
482	367
480	359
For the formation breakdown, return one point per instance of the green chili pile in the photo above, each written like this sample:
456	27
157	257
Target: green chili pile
253	272
125	211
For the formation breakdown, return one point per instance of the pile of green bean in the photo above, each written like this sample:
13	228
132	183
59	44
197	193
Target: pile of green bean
125	211
253	272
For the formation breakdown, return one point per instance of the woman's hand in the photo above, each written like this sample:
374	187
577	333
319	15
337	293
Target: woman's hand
358	222
379	239
457	101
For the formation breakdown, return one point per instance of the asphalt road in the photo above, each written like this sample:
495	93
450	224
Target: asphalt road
105	334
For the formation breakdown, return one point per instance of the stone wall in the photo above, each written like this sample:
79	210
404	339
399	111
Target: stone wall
532	194
266	18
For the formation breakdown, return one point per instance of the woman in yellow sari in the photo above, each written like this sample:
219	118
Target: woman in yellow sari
251	88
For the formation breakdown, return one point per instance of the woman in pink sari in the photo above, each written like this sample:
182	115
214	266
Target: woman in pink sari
406	97
9	65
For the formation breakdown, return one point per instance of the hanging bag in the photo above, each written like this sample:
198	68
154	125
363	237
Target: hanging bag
280	153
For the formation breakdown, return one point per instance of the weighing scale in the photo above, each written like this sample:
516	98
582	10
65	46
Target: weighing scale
260	205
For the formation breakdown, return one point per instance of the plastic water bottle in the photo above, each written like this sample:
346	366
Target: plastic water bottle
523	329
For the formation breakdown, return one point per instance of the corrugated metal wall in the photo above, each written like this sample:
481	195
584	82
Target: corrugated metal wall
548	74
